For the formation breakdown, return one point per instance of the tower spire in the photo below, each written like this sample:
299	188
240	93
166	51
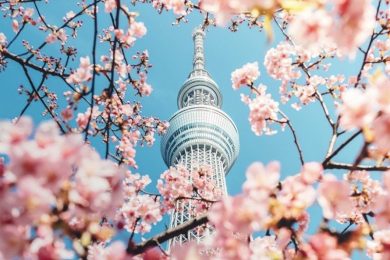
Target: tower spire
199	60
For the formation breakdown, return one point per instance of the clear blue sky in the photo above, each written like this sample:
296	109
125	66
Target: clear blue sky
171	48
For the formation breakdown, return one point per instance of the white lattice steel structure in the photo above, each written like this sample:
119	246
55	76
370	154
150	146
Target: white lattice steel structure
199	133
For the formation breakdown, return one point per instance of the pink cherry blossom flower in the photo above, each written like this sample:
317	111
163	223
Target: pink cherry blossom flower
325	246
82	74
14	240
295	196
109	5
67	114
265	248
173	184
344	24
178	6
366	194
225	9
245	75
380	89
357	110
137	29
3	39
82	118
27	14
139	212
187	251
145	89
238	214
114	251
14	133
381	131
379	248
125	38
15	26
45	246
334	196
261	180
34	199
279	63
355	24
94	183
263	110
311	172
311	28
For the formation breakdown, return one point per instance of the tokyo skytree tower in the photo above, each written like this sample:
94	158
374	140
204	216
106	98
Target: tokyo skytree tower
200	133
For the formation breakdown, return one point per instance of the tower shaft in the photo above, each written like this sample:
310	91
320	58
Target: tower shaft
192	158
200	134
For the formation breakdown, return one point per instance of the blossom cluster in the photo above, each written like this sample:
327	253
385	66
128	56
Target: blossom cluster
51	180
266	203
178	184
263	110
369	110
280	207
139	211
343	24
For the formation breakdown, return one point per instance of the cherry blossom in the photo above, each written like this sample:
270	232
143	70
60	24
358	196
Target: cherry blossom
114	251
346	26
109	5
224	10
179	184
311	172
356	109
278	62
245	75
334	196
263	110
324	246
366	192
83	73
378	249
138	29
261	180
311	28
265	247
139	212
3	39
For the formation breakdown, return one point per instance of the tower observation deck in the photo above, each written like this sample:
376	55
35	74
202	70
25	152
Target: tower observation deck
200	133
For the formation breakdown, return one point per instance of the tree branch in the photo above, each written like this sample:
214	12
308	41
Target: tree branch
341	147
347	166
167	235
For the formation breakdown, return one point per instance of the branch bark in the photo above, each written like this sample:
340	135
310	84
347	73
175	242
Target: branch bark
167	235
347	166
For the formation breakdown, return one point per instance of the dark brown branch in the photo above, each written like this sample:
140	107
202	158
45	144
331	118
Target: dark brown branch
95	32
373	37
300	152
167	235
42	100
24	62
17	34
351	167
63	26
31	97
341	147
